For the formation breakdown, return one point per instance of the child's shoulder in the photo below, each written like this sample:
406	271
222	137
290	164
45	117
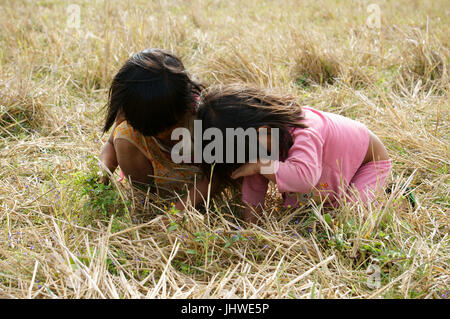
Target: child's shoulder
123	128
324	120
314	119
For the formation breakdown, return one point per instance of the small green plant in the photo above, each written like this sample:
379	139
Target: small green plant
234	238
101	197
303	81
99	200
17	118
340	242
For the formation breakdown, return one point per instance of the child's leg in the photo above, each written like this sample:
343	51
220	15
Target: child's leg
130	154
133	162
369	179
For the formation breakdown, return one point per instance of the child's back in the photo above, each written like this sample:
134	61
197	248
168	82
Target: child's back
321	155
150	96
324	156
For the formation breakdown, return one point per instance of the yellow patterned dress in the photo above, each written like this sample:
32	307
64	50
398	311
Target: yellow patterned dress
167	175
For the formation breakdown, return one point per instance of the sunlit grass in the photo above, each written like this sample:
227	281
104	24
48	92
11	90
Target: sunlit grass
65	236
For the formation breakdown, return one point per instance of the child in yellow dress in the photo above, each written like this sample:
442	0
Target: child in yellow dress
150	96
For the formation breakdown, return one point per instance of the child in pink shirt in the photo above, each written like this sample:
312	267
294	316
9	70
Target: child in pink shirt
324	156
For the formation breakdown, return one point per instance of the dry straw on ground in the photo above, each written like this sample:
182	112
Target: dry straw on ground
64	236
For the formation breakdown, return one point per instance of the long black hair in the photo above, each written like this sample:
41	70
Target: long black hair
152	90
238	106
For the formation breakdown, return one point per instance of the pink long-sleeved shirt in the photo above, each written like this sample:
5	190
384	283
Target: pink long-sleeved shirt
322	160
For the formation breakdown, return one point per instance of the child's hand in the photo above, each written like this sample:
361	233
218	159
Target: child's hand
247	169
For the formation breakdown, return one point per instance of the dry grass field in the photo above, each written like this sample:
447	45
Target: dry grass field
62	235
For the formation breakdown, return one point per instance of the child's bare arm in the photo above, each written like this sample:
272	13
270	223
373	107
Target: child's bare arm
133	163
109	158
108	155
